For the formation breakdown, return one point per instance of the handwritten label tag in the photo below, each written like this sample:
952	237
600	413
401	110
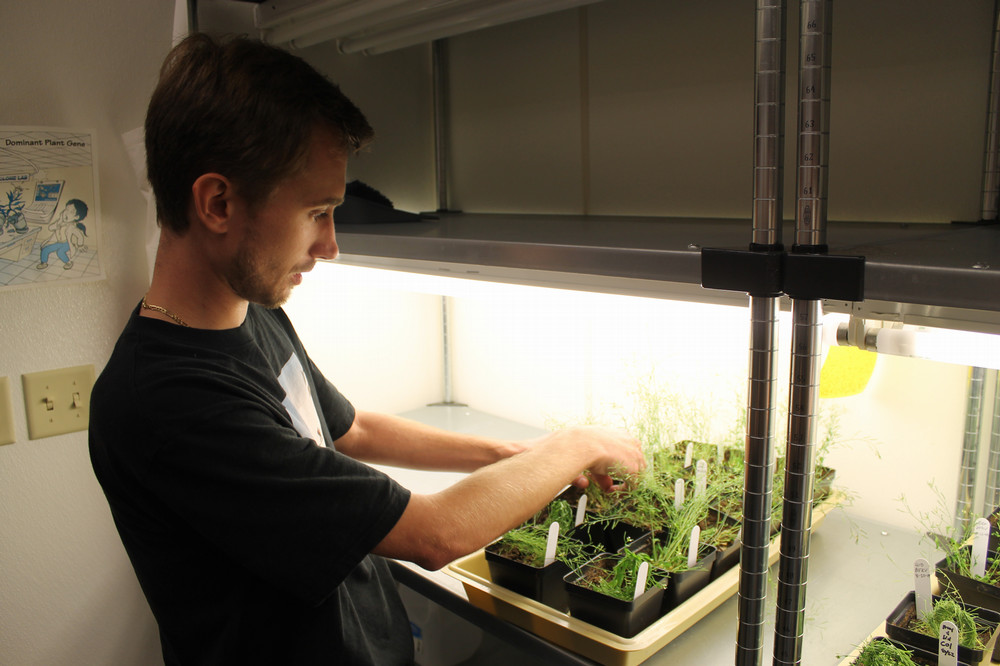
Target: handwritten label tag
981	532
678	493
693	546
550	544
581	510
948	644
700	478
922	587
640	579
688	454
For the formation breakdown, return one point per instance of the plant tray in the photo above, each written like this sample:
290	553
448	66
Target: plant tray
584	638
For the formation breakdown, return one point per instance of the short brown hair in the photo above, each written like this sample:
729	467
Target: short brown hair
241	108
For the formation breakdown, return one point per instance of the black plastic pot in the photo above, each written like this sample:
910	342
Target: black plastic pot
544	584
617	535
970	590
920	657
823	481
727	556
682	585
895	628
624	618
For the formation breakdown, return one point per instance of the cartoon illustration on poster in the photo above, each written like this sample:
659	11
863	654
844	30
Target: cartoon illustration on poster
49	211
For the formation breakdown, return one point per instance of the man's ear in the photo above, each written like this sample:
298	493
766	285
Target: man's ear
212	199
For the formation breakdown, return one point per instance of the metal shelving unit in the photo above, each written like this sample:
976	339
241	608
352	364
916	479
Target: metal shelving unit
933	274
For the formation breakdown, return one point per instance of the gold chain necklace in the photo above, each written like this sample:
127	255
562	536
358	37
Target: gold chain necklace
157	308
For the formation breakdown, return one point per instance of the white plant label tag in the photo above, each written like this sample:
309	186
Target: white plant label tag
550	544
688	454
581	510
678	493
980	540
693	546
640	579
922	587
700	478
948	644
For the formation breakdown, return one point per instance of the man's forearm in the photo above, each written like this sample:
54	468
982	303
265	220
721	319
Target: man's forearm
391	440
435	529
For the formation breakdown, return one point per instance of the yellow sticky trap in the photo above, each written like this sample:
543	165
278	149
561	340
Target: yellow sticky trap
845	372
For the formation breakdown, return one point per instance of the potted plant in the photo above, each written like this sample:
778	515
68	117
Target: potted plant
603	593
882	651
976	626
517	559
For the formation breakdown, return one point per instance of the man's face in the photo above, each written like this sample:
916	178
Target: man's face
287	234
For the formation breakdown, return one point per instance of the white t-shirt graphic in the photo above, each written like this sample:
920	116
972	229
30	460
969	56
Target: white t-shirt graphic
298	401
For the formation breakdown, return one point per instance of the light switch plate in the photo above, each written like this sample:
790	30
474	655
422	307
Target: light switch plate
57	401
6	413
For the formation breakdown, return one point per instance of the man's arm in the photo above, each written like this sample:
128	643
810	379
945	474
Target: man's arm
438	528
391	440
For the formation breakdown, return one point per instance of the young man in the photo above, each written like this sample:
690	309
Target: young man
234	470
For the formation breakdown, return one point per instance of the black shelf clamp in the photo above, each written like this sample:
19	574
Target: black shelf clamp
804	273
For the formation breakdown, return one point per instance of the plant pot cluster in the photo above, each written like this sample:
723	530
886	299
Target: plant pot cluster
643	520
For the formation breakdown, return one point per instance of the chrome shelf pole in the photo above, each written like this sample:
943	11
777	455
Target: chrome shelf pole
815	20
769	122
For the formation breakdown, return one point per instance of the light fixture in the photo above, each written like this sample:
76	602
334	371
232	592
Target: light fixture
980	350
379	26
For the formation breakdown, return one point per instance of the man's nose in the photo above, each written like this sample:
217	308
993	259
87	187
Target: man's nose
326	245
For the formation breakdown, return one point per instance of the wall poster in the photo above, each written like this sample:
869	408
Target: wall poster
49	209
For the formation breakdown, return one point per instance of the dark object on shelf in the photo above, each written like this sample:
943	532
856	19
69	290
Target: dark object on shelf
364	204
920	657
896	623
823	484
625	618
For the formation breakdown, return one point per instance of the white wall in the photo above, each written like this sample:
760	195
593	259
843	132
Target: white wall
68	592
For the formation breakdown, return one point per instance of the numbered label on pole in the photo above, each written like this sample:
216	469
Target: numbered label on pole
980	540
550	544
948	644
700	478
922	587
678	493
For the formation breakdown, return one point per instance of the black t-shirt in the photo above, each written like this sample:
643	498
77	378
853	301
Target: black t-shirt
248	531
